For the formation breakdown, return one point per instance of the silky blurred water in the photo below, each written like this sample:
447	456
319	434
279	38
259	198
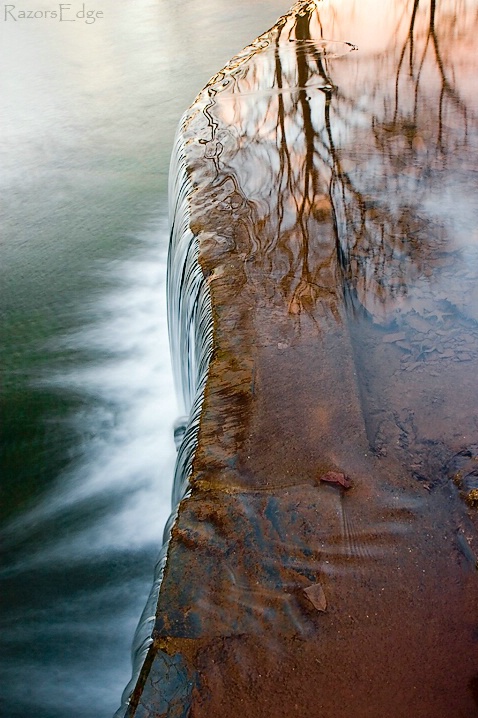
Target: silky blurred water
89	113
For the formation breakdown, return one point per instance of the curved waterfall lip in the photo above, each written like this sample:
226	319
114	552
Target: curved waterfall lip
325	473
241	81
190	332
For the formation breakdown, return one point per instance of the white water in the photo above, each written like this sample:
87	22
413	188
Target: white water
90	453
110	504
127	438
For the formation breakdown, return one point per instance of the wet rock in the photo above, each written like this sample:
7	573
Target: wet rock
336	477
316	596
336	268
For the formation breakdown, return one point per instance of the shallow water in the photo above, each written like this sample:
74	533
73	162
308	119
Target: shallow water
331	194
87	391
89	114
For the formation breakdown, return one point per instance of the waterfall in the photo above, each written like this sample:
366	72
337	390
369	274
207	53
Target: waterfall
305	253
190	334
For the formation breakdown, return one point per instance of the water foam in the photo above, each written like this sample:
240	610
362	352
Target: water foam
190	335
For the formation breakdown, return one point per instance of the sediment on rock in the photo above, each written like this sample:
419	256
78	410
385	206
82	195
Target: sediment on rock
323	557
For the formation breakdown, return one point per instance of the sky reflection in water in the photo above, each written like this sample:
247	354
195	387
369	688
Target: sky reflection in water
345	322
391	158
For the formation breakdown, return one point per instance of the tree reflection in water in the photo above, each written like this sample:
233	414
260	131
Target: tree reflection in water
290	135
349	178
333	200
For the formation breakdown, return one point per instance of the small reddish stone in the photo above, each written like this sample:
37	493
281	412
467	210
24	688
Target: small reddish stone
316	596
337	477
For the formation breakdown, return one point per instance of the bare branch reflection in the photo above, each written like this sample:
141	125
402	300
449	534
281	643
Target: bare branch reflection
332	184
404	146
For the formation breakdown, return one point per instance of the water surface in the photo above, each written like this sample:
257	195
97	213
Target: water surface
324	559
89	114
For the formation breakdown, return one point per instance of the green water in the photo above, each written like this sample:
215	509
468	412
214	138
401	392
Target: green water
88	119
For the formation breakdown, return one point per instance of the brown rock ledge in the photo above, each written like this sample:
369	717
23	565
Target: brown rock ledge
338	350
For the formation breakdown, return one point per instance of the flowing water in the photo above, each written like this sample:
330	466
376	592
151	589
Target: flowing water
89	113
327	225
359	168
